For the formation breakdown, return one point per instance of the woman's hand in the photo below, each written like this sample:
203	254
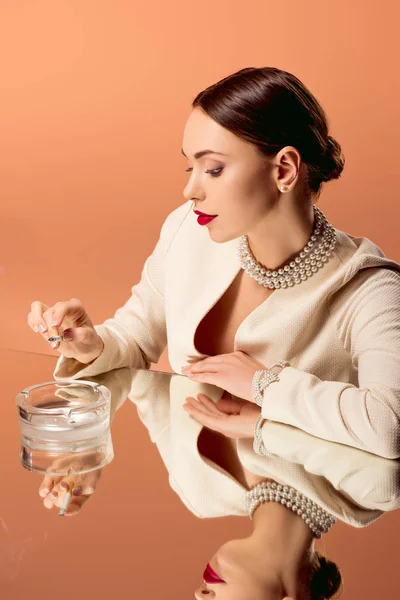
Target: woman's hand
70	321
54	488
233	417
232	372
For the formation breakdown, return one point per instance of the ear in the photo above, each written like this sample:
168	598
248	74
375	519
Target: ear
288	163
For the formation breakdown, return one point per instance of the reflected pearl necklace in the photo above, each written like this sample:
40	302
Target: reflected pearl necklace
318	519
309	260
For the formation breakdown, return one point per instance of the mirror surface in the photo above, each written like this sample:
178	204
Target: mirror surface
150	520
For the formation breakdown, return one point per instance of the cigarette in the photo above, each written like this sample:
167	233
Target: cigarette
55	338
66	500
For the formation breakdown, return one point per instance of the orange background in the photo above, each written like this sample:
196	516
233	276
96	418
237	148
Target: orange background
94	96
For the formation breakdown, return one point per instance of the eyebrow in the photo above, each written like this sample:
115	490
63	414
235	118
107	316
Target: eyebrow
203	152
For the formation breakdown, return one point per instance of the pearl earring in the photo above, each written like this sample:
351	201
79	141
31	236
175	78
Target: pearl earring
284	188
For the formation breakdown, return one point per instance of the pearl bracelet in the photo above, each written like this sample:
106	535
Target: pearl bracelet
258	445
269	377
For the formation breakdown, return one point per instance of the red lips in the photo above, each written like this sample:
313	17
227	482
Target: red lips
197	212
210	575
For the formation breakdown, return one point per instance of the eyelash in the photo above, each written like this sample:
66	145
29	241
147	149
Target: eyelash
212	172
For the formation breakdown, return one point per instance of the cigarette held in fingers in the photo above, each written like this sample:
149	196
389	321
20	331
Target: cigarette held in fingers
67	335
55	338
66	500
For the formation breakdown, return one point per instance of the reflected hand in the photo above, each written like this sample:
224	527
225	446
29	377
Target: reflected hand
234	418
54	488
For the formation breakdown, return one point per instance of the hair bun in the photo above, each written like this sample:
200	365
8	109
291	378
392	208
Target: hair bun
327	580
332	161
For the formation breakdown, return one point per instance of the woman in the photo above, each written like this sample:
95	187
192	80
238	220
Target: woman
265	281
254	285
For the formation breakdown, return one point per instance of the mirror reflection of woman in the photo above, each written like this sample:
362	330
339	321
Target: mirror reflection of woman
277	561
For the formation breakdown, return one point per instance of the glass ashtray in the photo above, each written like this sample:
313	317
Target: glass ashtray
65	425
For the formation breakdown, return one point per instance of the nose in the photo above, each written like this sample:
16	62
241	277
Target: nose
191	191
203	594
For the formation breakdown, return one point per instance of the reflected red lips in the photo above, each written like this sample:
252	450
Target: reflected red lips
210	575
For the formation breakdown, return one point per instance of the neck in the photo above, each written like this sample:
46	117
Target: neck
281	236
278	528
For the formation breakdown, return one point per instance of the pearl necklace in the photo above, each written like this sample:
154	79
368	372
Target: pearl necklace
315	517
303	266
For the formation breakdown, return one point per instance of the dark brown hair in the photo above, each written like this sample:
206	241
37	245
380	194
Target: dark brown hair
272	109
326	579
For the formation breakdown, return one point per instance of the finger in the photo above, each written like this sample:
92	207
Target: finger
197	404
75	505
206	419
229	405
73	310
35	317
83	483
52	330
50	500
47	485
208	368
64	485
212	364
207	402
77	488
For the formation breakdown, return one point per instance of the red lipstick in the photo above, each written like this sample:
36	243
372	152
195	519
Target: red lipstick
203	218
198	212
210	575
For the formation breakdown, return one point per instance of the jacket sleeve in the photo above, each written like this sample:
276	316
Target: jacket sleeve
136	335
366	416
370	481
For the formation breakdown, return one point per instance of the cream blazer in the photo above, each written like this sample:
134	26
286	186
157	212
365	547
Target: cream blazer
339	330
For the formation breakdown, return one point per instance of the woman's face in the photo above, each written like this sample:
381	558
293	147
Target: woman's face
237	185
234	563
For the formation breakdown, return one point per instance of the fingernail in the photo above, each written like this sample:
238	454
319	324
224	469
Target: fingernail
35	328
54	344
54	323
42	327
44	492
